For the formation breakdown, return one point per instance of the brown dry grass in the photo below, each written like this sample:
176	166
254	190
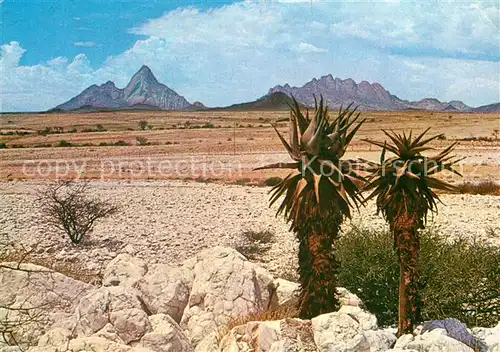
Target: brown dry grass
73	270
481	187
281	312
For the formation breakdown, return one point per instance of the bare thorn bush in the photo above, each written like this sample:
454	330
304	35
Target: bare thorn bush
68	206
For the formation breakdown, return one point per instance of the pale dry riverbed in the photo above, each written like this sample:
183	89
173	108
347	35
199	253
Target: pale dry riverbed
169	221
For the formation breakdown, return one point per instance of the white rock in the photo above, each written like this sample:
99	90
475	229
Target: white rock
437	341
115	305
403	341
96	344
108	332
339	332
167	336
490	336
366	320
379	340
225	285
124	270
165	290
277	336
36	286
210	343
286	291
348	298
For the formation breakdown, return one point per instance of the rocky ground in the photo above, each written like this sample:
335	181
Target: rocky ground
215	302
170	221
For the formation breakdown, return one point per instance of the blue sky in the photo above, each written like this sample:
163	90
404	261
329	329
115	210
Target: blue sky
223	52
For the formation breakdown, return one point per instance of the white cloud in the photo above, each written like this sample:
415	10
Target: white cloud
84	44
11	54
237	52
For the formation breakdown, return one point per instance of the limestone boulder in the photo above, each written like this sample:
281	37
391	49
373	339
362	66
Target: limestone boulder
339	332
436	340
124	270
165	290
225	285
270	336
114	305
34	291
167	336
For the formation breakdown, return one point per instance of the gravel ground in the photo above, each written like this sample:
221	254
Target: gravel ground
169	221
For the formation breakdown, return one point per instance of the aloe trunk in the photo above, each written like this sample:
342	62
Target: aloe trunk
406	241
318	267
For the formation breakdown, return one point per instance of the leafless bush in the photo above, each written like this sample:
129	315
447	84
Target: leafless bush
68	206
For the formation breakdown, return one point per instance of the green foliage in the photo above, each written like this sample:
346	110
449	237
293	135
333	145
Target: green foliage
143	124
208	125
406	181
3	145
459	279
121	143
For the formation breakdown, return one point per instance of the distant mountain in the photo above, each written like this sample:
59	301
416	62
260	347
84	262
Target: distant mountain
272	101
369	96
489	108
141	92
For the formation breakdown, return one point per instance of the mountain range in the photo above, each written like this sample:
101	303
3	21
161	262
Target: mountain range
144	92
368	96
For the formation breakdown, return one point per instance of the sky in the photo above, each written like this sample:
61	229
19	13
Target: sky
224	52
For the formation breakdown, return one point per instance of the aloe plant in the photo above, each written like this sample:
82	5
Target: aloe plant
404	187
317	197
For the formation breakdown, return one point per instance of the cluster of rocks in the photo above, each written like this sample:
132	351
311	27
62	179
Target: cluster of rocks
200	307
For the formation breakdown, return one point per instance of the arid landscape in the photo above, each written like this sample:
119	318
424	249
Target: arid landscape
249	176
221	147
185	191
215	145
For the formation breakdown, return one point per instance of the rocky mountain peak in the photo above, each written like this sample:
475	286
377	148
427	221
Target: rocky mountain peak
144	76
368	96
143	89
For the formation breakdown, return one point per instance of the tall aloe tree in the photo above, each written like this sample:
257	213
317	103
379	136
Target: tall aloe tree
404	187
317	198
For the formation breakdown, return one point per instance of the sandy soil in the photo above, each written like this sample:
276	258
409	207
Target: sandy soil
227	153
168	221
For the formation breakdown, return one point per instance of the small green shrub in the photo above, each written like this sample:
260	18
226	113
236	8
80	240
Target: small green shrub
143	124
121	143
3	145
459	278
208	125
63	143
